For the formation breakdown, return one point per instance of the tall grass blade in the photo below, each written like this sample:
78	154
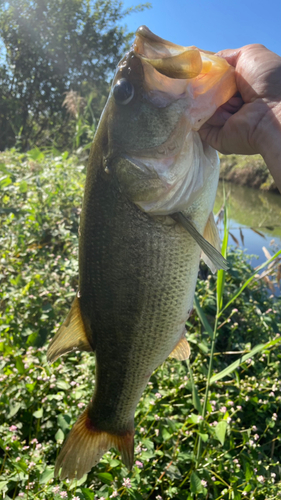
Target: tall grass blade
221	272
202	317
195	396
238	362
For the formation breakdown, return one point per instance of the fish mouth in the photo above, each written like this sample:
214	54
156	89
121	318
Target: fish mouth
193	71
169	59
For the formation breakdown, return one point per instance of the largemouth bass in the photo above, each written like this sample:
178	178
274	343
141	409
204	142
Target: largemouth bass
147	213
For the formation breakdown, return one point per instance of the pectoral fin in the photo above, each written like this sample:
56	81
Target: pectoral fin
211	234
181	351
217	260
71	335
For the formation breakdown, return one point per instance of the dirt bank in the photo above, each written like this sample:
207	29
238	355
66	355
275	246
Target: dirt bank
248	171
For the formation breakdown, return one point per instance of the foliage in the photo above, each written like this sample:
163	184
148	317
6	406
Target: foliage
248	171
240	435
53	46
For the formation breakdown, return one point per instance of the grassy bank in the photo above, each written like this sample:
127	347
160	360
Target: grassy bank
40	205
248	171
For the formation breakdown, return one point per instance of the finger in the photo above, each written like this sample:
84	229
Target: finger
233	105
231	55
219	118
212	135
224	112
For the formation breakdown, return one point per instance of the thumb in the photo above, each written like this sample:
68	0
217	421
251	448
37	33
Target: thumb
231	55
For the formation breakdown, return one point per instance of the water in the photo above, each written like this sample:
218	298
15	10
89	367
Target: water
248	208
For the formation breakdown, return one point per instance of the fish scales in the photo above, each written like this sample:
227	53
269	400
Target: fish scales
147	206
138	294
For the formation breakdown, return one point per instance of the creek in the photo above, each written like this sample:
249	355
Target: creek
251	211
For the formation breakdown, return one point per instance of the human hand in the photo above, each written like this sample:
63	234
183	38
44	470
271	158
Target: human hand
237	125
250	123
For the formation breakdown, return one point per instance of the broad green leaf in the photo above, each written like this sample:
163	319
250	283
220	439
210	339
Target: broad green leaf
247	470
38	413
195	483
114	463
193	418
61	384
47	475
204	437
4	169
105	477
88	494
23	186
241	360
59	436
36	154
64	421
220	431
14	409
2	486
165	434
20	365
21	465
147	455
6	181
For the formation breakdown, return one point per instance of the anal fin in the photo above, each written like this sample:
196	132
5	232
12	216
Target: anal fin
181	351
71	335
86	444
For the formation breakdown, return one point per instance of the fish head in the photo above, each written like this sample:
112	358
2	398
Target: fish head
161	95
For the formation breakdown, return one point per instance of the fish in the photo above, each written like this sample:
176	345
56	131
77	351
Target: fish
147	218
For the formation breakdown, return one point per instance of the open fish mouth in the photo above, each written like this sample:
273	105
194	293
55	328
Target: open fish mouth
182	64
170	59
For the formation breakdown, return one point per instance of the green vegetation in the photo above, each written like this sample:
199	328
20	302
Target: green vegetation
248	171
233	453
51	48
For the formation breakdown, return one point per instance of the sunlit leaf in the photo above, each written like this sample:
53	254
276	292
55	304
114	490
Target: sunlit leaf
59	436
220	431
14	408
195	483
47	475
38	413
105	477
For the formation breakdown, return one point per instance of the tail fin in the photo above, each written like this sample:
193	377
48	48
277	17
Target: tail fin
85	446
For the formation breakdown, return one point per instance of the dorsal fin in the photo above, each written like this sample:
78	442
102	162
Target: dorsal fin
71	335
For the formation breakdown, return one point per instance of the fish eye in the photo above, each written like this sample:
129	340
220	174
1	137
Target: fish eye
123	91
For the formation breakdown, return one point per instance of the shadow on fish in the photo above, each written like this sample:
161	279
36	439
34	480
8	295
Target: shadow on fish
146	221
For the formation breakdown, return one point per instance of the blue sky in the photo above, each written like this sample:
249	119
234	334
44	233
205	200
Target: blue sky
212	24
